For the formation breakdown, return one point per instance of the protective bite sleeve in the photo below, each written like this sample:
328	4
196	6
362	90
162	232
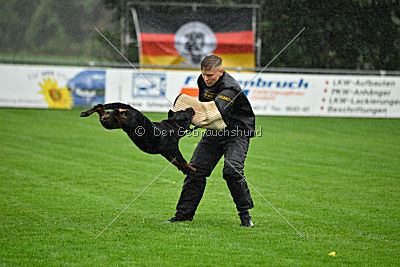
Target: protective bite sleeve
207	114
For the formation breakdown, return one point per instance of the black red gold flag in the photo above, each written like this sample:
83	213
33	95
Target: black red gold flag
186	37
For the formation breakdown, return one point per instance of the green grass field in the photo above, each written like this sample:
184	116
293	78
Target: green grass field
64	178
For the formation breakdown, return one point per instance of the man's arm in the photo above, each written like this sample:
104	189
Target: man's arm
224	102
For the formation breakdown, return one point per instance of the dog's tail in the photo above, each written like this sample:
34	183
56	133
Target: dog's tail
117	105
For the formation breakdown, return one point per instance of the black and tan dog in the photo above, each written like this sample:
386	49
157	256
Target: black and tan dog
151	137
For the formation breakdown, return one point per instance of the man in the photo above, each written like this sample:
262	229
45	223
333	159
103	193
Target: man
233	142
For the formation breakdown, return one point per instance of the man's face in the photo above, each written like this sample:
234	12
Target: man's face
211	76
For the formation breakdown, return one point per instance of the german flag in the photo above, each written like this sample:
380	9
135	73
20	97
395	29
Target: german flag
187	36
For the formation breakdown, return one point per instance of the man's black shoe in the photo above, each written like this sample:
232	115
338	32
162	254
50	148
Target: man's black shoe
178	219
245	218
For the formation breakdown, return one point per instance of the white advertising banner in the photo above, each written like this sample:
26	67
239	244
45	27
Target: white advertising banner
361	96
50	86
147	90
156	90
269	94
323	95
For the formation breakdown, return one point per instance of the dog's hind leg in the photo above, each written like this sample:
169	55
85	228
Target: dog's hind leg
187	167
180	162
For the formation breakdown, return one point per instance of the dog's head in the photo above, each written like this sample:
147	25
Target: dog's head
111	120
119	118
181	118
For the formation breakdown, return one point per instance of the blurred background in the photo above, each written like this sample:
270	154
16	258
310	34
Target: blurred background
351	34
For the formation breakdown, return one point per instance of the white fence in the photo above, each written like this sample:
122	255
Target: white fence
269	93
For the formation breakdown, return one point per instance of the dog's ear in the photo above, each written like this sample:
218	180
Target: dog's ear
99	106
191	110
170	113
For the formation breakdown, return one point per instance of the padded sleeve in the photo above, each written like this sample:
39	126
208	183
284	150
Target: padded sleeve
206	114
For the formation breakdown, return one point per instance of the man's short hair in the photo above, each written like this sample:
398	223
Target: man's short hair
211	62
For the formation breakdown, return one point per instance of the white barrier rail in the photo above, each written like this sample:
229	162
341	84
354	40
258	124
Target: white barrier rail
269	94
279	94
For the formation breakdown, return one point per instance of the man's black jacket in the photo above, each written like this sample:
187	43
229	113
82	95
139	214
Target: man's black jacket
231	102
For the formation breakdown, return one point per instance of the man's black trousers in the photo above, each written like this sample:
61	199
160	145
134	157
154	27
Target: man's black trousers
205	157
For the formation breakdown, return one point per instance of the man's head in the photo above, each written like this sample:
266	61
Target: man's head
211	69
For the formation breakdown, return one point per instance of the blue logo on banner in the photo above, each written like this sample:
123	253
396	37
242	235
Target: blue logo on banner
141	87
87	87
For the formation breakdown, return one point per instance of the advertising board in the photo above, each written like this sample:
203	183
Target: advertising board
269	94
273	94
